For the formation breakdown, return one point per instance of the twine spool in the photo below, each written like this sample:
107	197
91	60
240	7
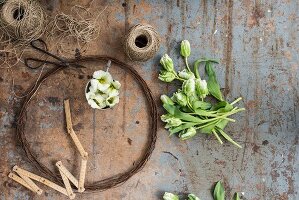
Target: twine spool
22	20
141	43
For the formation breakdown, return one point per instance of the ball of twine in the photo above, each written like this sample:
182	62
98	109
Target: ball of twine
141	43
22	20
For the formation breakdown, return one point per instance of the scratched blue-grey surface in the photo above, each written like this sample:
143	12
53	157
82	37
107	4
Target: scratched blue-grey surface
257	45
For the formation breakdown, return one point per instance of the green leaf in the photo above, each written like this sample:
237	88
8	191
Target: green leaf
222	124
201	104
205	113
192	197
236	196
196	64
173	110
218	105
209	127
185	109
213	85
181	127
227	108
219	192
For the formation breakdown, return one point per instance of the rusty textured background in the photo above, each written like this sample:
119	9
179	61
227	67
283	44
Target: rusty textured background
257	44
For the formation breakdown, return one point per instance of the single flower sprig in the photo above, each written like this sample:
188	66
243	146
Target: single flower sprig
168	74
185	52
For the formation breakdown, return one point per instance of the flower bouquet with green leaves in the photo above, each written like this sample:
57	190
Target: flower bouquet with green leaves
188	110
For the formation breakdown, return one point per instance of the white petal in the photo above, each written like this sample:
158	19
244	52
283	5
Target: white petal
99	98
108	90
94	83
203	84
113	93
103	87
89	95
92	89
98	74
93	104
116	84
111	101
103	104
109	77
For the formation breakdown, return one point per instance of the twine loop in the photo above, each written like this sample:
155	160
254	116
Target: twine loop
141	43
21	121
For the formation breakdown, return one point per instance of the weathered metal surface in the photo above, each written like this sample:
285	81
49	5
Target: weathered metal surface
257	44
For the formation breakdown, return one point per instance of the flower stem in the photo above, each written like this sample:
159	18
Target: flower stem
177	77
187	65
235	101
180	79
217	136
228	138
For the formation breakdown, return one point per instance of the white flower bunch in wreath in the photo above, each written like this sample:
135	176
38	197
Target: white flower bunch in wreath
102	91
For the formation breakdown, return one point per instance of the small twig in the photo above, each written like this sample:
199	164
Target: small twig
167	152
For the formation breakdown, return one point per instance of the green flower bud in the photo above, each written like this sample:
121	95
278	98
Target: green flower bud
189	87
173	122
201	88
170	196
184	74
192	98
166	76
185	48
166	117
192	197
180	98
184	135
166	100
167	63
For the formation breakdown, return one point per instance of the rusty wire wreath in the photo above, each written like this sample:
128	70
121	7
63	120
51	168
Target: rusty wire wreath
106	183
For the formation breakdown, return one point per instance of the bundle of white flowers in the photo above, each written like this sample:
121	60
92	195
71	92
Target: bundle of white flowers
102	91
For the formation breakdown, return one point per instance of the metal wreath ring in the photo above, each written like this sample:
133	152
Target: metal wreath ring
112	181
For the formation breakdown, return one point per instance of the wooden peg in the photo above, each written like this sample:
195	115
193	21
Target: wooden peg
20	181
67	185
67	173
68	117
82	175
78	144
31	184
71	131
